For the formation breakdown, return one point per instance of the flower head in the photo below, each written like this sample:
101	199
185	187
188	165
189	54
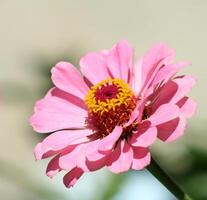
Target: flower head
111	115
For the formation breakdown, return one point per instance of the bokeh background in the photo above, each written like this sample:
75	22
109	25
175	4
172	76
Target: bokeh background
35	34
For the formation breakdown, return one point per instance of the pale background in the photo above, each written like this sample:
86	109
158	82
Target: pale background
34	35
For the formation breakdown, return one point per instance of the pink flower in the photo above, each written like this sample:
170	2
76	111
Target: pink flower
111	115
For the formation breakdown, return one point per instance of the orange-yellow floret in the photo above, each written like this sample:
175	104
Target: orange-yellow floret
124	96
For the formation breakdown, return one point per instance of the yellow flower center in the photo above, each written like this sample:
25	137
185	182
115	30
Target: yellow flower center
109	103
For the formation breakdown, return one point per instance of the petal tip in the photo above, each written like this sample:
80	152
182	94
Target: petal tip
52	173
38	151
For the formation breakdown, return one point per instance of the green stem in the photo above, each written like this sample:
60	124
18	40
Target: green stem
158	172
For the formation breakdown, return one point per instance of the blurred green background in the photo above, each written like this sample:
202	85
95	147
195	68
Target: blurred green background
34	35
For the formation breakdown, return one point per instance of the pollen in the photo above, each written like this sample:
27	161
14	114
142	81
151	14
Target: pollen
110	103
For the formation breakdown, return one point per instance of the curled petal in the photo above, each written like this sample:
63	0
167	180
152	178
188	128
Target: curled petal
53	167
164	113
144	137
90	159
78	157
174	90
92	152
59	141
185	84
109	141
187	107
96	165
120	159
172	130
68	158
141	158
71	177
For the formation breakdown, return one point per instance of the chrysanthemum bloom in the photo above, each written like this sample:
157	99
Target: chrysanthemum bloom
111	115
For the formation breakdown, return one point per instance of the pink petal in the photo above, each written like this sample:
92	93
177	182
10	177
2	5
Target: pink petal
134	115
92	152
68	159
121	159
52	114
53	167
174	90
120	60
187	107
168	71
144	137
96	165
141	158
95	160
109	141
156	54
165	94
58	141
164	113
60	94
84	156
67	78
171	130
137	77
150	64
71	177
185	84
94	67
78	157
